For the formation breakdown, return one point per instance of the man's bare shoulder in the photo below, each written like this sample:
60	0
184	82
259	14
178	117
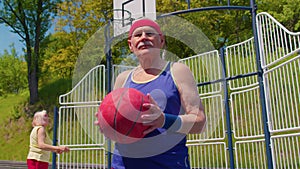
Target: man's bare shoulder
120	80
124	74
180	68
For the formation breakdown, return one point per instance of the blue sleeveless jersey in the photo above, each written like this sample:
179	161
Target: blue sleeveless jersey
160	149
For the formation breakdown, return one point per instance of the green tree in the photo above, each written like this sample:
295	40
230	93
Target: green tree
77	21
12	72
221	27
287	12
58	59
31	21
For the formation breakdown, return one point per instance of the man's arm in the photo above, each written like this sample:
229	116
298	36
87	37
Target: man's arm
194	120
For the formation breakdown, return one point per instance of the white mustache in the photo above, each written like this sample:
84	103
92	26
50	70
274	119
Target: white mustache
143	43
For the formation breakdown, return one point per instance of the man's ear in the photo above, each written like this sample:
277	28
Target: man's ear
129	44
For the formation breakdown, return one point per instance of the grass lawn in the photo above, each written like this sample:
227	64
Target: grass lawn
8	103
14	133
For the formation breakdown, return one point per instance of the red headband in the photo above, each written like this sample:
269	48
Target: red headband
144	22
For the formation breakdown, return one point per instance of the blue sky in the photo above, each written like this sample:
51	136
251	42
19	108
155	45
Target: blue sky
7	38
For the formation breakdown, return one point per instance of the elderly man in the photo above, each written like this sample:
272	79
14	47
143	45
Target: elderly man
175	108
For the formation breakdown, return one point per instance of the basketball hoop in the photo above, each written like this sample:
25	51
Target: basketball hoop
122	20
122	15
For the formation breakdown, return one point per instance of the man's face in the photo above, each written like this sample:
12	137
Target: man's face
145	40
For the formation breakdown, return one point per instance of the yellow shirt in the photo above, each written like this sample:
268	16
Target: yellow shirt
34	151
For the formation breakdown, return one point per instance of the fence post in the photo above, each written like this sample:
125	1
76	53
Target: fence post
261	86
227	109
54	136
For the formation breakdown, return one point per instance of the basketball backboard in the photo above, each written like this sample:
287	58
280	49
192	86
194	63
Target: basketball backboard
126	11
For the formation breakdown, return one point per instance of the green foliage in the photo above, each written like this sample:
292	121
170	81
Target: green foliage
59	57
83	18
287	12
8	104
166	6
77	22
223	27
50	92
14	132
31	21
12	73
15	139
120	52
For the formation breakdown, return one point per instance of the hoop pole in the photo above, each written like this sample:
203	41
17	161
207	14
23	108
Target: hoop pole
261	86
109	75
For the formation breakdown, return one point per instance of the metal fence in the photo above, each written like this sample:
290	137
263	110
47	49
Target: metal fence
229	87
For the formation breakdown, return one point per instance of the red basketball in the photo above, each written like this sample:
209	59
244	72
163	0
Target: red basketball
119	115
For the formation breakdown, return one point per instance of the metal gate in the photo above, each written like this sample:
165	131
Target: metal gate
249	126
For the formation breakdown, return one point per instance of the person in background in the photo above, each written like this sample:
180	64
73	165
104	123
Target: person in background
40	143
175	108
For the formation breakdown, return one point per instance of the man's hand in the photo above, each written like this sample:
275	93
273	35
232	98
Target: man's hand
153	117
